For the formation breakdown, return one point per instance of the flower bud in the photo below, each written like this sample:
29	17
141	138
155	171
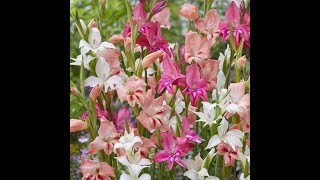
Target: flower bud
152	57
77	125
116	38
241	61
95	92
74	91
158	7
189	11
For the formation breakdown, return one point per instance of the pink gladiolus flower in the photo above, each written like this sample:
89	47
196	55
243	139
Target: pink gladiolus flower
119	119
189	134
210	73
92	170
209	25
189	11
101	112
152	84
163	18
77	125
106	139
145	146
196	86
150	58
151	38
197	48
171	76
228	154
241	61
240	29
116	38
173	150
153	110
132	91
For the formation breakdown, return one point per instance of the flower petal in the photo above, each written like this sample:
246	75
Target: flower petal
214	140
161	156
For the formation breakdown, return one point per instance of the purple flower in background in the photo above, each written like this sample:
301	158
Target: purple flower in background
83	139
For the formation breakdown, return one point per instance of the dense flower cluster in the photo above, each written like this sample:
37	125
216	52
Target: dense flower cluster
153	105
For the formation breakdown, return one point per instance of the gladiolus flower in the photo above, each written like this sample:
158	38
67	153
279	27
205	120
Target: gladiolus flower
92	170
229	155
120	117
239	29
173	150
133	91
209	25
197	48
106	139
189	134
163	18
127	141
171	76
210	73
153	111
196	86
189	11
77	125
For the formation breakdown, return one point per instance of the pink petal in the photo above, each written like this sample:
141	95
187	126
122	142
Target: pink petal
161	156
189	11
170	162
180	162
77	125
96	145
233	13
116	38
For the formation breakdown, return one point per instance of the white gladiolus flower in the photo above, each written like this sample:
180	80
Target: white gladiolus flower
209	114
87	59
127	141
232	137
104	76
125	176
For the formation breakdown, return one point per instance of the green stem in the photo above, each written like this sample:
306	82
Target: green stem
219	164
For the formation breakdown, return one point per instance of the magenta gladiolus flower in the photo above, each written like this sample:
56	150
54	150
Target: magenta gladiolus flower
171	76
189	134
174	148
138	14
151	38
240	29
196	86
119	119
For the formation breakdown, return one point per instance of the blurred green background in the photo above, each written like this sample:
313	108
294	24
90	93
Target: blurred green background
115	18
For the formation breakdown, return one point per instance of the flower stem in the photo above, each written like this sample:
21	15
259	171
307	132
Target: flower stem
219	165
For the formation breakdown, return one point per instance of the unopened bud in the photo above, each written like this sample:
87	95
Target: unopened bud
95	92
241	61
74	91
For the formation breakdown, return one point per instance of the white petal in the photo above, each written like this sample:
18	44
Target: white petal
203	172
112	82
135	169
92	81
123	160
106	44
137	139
191	164
125	176
223	127
84	46
191	175
214	140
94	38
221	79
88	59
144	162
145	177
102	68
233	139
198	160
212	178
118	145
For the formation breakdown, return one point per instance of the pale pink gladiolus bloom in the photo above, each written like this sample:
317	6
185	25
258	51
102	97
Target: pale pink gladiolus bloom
189	11
145	146
152	57
188	133
132	91
241	61
210	73
163	18
77	125
93	170
153	111
112	57
174	148
95	92
116	38
228	154
106	139
197	48
209	25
